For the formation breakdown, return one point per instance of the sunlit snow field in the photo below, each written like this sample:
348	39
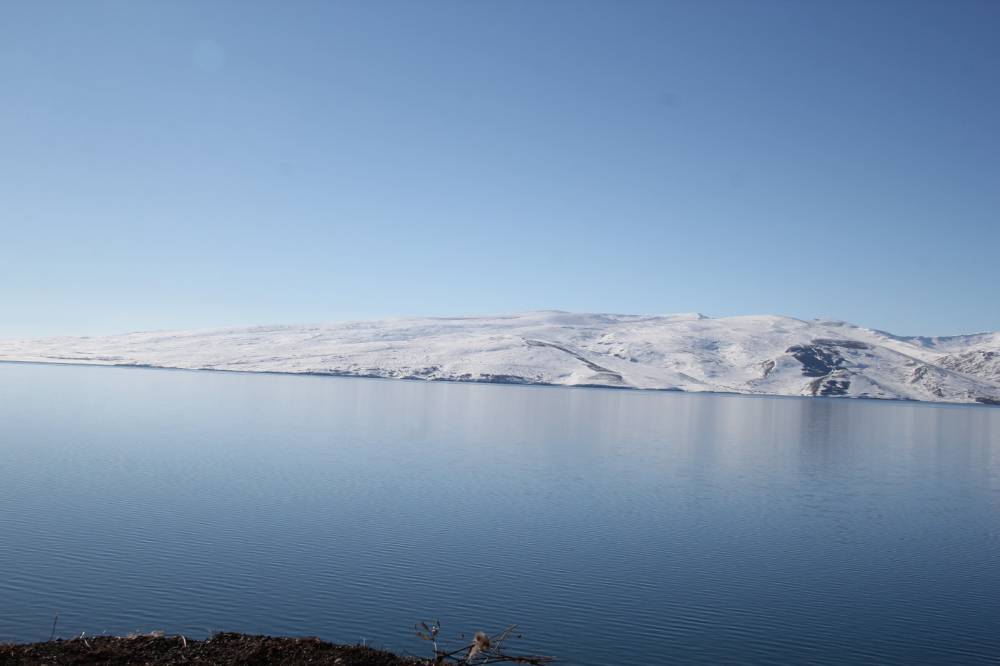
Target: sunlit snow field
756	354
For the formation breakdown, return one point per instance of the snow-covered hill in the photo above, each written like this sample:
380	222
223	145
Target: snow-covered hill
753	354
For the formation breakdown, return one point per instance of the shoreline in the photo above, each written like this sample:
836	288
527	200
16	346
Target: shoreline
225	649
523	384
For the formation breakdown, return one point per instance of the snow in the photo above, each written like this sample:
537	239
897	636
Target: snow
759	354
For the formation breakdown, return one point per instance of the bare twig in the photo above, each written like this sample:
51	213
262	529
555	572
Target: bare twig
483	649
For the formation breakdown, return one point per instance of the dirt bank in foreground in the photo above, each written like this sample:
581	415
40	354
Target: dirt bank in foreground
223	649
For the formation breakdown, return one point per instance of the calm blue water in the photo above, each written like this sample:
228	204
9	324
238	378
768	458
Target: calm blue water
615	527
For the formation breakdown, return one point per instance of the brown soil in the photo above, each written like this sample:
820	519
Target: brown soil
223	649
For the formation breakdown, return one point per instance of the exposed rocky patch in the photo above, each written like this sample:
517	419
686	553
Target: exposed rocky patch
833	385
846	344
818	360
979	363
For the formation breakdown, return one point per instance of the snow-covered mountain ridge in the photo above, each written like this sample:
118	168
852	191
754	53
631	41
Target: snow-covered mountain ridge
760	354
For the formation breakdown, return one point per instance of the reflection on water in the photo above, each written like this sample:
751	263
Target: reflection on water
615	527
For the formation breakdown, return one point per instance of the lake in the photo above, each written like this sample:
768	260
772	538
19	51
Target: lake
615	527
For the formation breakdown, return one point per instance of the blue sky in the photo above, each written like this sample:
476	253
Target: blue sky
195	164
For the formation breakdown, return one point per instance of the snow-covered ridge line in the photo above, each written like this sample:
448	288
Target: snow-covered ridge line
761	354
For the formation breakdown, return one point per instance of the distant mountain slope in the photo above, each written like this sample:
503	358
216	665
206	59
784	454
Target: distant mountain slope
762	354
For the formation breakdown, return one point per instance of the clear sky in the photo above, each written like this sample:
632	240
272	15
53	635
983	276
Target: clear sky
194	164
